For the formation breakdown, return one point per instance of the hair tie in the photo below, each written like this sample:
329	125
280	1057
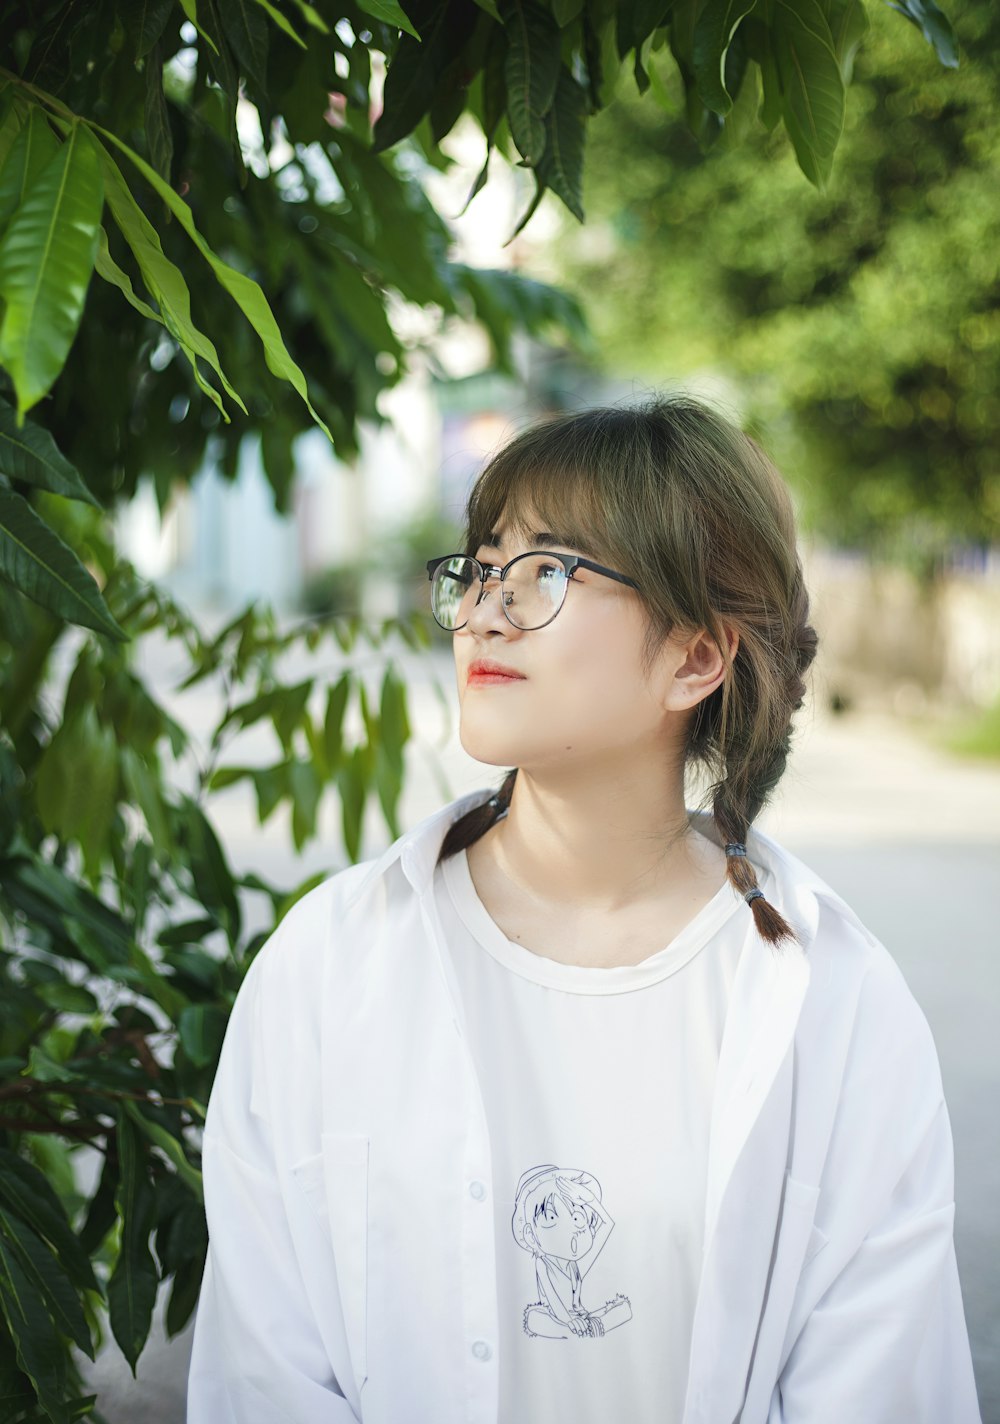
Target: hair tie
736	848
753	895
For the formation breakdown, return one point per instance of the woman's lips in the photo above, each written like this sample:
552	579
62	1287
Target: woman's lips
482	678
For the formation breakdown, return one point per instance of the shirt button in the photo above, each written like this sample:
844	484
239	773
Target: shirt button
481	1350
477	1190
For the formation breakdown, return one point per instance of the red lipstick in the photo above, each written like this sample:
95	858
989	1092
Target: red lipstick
487	670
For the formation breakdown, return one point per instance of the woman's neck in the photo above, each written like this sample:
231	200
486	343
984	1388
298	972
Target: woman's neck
600	847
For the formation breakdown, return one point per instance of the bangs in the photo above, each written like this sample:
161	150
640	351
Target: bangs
538	490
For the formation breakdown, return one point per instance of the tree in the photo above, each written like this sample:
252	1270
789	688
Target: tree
207	214
860	323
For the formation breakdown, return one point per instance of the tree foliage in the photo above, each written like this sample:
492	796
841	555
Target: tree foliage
209	213
862	323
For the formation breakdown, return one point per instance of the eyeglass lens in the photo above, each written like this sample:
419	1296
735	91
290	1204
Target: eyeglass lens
532	592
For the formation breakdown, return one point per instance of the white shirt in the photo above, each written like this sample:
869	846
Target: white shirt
352	1271
597	1085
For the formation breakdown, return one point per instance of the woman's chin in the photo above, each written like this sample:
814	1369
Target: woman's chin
491	750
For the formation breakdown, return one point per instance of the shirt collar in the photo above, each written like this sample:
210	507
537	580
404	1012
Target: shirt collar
799	890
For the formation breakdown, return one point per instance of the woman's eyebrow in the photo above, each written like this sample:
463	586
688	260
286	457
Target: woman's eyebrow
540	540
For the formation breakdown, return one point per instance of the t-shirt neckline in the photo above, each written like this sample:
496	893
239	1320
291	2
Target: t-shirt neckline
577	978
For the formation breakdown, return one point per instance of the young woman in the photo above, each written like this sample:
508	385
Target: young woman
577	1104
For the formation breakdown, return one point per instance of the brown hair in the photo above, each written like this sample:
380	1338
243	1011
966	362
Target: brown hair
675	495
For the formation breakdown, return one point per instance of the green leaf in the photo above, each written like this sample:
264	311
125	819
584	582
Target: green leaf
212	877
561	168
284	705
46	258
848	25
933	25
225	73
352	783
49	1280
811	83
190	8
713	33
134	1280
77	781
41	1354
25	1191
532	71
390	13
281	22
312	16
414	71
70	911
201	1028
306	788
33	148
746	106
247	32
67	998
165	282
762	50
184	1295
145	789
107	268
158	134
561	165
388	785
46	1069
35	560
168	1144
336	702
10	126
244	290
271	785
28	453
190	932
393	718
146	21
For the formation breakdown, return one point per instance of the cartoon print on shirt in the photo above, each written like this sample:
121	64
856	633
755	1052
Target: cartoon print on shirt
560	1219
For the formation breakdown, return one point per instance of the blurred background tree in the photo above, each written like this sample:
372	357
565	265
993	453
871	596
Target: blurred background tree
860	324
212	216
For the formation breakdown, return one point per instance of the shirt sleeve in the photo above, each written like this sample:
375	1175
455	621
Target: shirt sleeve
259	1355
887	1341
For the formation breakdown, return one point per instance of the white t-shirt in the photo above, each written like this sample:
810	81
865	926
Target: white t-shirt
597	1085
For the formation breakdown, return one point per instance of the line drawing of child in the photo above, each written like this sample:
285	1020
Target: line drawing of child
560	1219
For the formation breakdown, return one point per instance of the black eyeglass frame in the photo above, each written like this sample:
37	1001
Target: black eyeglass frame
570	563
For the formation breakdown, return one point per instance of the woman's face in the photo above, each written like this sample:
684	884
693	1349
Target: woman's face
585	697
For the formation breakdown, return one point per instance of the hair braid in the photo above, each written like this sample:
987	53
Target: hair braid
753	773
475	823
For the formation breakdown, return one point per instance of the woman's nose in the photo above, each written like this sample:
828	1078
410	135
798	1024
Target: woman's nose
488	612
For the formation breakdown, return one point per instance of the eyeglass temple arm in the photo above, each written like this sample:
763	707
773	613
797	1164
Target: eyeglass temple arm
574	561
581	563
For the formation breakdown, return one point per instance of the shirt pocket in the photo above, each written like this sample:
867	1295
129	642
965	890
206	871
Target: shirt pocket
335	1182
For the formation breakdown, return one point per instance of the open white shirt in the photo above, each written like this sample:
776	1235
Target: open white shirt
597	1085
353	1270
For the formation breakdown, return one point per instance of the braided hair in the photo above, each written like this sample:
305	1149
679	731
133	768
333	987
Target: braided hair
674	494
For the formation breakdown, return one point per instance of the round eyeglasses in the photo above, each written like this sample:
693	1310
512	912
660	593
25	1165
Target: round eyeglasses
532	586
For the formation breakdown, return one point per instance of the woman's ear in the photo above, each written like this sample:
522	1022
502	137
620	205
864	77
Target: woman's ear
701	667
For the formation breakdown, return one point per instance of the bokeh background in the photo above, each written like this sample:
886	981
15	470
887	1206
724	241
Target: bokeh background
856	333
854	330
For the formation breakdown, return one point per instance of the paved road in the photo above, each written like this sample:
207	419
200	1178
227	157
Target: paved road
908	836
